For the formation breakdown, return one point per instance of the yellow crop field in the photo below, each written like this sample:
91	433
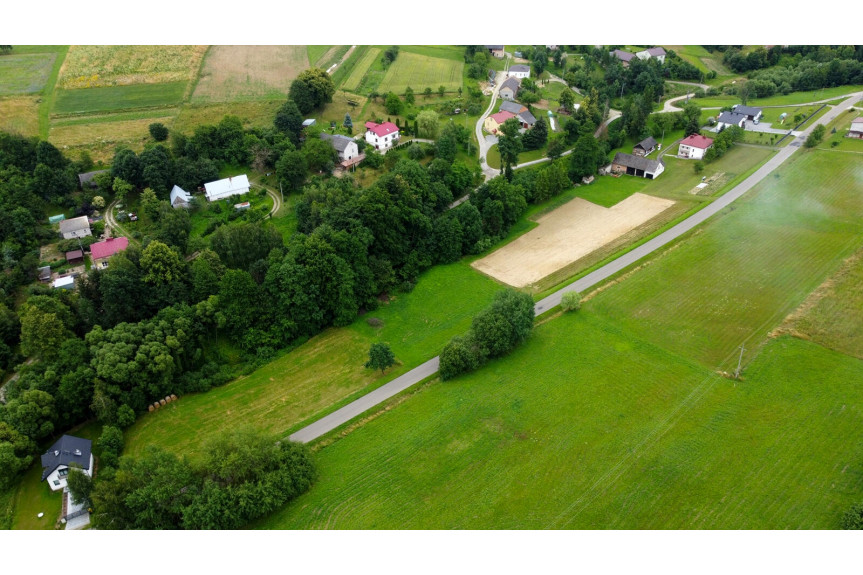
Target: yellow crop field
99	66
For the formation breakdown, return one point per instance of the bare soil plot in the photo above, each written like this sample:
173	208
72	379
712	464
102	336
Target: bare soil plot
233	73
25	73
20	115
97	66
421	72
566	235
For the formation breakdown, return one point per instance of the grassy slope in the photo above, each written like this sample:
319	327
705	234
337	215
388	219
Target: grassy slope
793	98
750	268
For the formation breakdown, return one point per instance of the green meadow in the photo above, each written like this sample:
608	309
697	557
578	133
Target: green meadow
114	98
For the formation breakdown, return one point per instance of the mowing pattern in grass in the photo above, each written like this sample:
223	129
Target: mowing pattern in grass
832	314
359	70
24	73
99	66
20	114
748	269
242	73
325	370
421	72
118	98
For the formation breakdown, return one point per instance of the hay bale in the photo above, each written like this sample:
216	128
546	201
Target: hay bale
156	405
163	402
152	408
173	397
168	399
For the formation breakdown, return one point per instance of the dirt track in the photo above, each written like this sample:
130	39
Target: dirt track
565	235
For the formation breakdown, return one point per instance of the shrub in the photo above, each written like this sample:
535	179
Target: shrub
698	167
159	132
815	136
853	518
415	152
571	301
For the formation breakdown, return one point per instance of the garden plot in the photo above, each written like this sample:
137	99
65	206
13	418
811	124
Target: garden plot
565	235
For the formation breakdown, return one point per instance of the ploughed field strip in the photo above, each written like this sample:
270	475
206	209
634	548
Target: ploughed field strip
565	235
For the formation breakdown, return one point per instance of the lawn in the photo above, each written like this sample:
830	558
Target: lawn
794	98
741	273
421	72
25	73
327	370
114	98
34	497
100	66
492	158
839	141
243	73
359	69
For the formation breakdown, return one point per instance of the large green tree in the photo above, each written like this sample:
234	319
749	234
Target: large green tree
428	124
313	86
509	145
160	264
585	158
31	414
380	357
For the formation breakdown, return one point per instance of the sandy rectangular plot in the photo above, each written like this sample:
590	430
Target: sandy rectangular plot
234	73
565	235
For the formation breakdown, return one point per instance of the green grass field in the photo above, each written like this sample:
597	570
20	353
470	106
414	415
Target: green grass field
116	98
745	271
327	370
792	99
34	497
421	72
25	73
352	82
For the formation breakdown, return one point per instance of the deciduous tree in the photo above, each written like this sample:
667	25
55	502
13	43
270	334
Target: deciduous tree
380	357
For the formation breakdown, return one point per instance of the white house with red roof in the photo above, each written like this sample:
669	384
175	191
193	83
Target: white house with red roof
382	136
101	251
694	147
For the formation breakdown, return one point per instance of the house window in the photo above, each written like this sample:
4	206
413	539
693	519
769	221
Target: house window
63	472
56	482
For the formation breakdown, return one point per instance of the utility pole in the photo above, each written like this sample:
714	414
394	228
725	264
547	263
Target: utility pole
281	193
739	361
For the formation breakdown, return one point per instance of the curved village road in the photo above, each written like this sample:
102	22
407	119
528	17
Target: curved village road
403	382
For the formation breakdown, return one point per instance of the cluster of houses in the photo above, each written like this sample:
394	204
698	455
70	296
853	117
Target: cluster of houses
638	164
657	53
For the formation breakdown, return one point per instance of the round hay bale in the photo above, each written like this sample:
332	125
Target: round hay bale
168	399
156	405
162	401
173	397
152	408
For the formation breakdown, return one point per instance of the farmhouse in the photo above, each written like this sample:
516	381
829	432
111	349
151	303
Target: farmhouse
657	53
694	147
382	136
636	166
727	119
346	147
518	71
492	123
495	50
67	451
509	88
753	114
75	228
101	251
856	130
180	198
644	147
233	186
623	56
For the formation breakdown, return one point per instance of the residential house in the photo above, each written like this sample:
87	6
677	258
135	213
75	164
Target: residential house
382	136
856	130
509	88
525	118
727	119
233	186
518	71
68	450
345	146
623	56
644	147
75	228
495	50
636	166
656	53
101	251
180	198
753	114
694	147
492	123
87	179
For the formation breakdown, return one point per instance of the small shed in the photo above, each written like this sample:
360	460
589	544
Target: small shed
75	256
44	274
309	122
56	219
242	206
67	282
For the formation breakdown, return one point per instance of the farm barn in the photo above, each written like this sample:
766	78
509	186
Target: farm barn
233	186
636	166
856	130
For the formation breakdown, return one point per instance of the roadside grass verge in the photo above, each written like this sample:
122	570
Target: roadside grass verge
839	141
114	98
25	73
742	272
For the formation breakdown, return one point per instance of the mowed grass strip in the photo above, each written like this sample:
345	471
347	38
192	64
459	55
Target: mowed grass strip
114	98
309	380
24	73
421	72
792	99
747	269
360	68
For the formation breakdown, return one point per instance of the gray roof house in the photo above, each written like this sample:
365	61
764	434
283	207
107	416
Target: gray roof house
66	451
526	118
519	71
509	88
726	119
644	147
87	178
75	228
637	166
511	107
346	147
750	112
623	56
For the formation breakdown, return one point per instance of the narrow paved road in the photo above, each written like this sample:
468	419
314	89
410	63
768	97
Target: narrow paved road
403	382
482	143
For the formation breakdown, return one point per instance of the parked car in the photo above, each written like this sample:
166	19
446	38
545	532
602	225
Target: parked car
133	217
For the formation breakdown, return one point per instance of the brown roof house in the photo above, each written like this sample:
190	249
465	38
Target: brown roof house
644	147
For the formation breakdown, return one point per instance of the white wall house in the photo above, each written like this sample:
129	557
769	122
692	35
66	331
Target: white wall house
69	450
180	198
657	53
75	228
382	136
856	130
518	71
221	189
346	147
694	147
728	119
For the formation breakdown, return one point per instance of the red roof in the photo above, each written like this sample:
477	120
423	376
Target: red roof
382	130
502	117
108	248
697	141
